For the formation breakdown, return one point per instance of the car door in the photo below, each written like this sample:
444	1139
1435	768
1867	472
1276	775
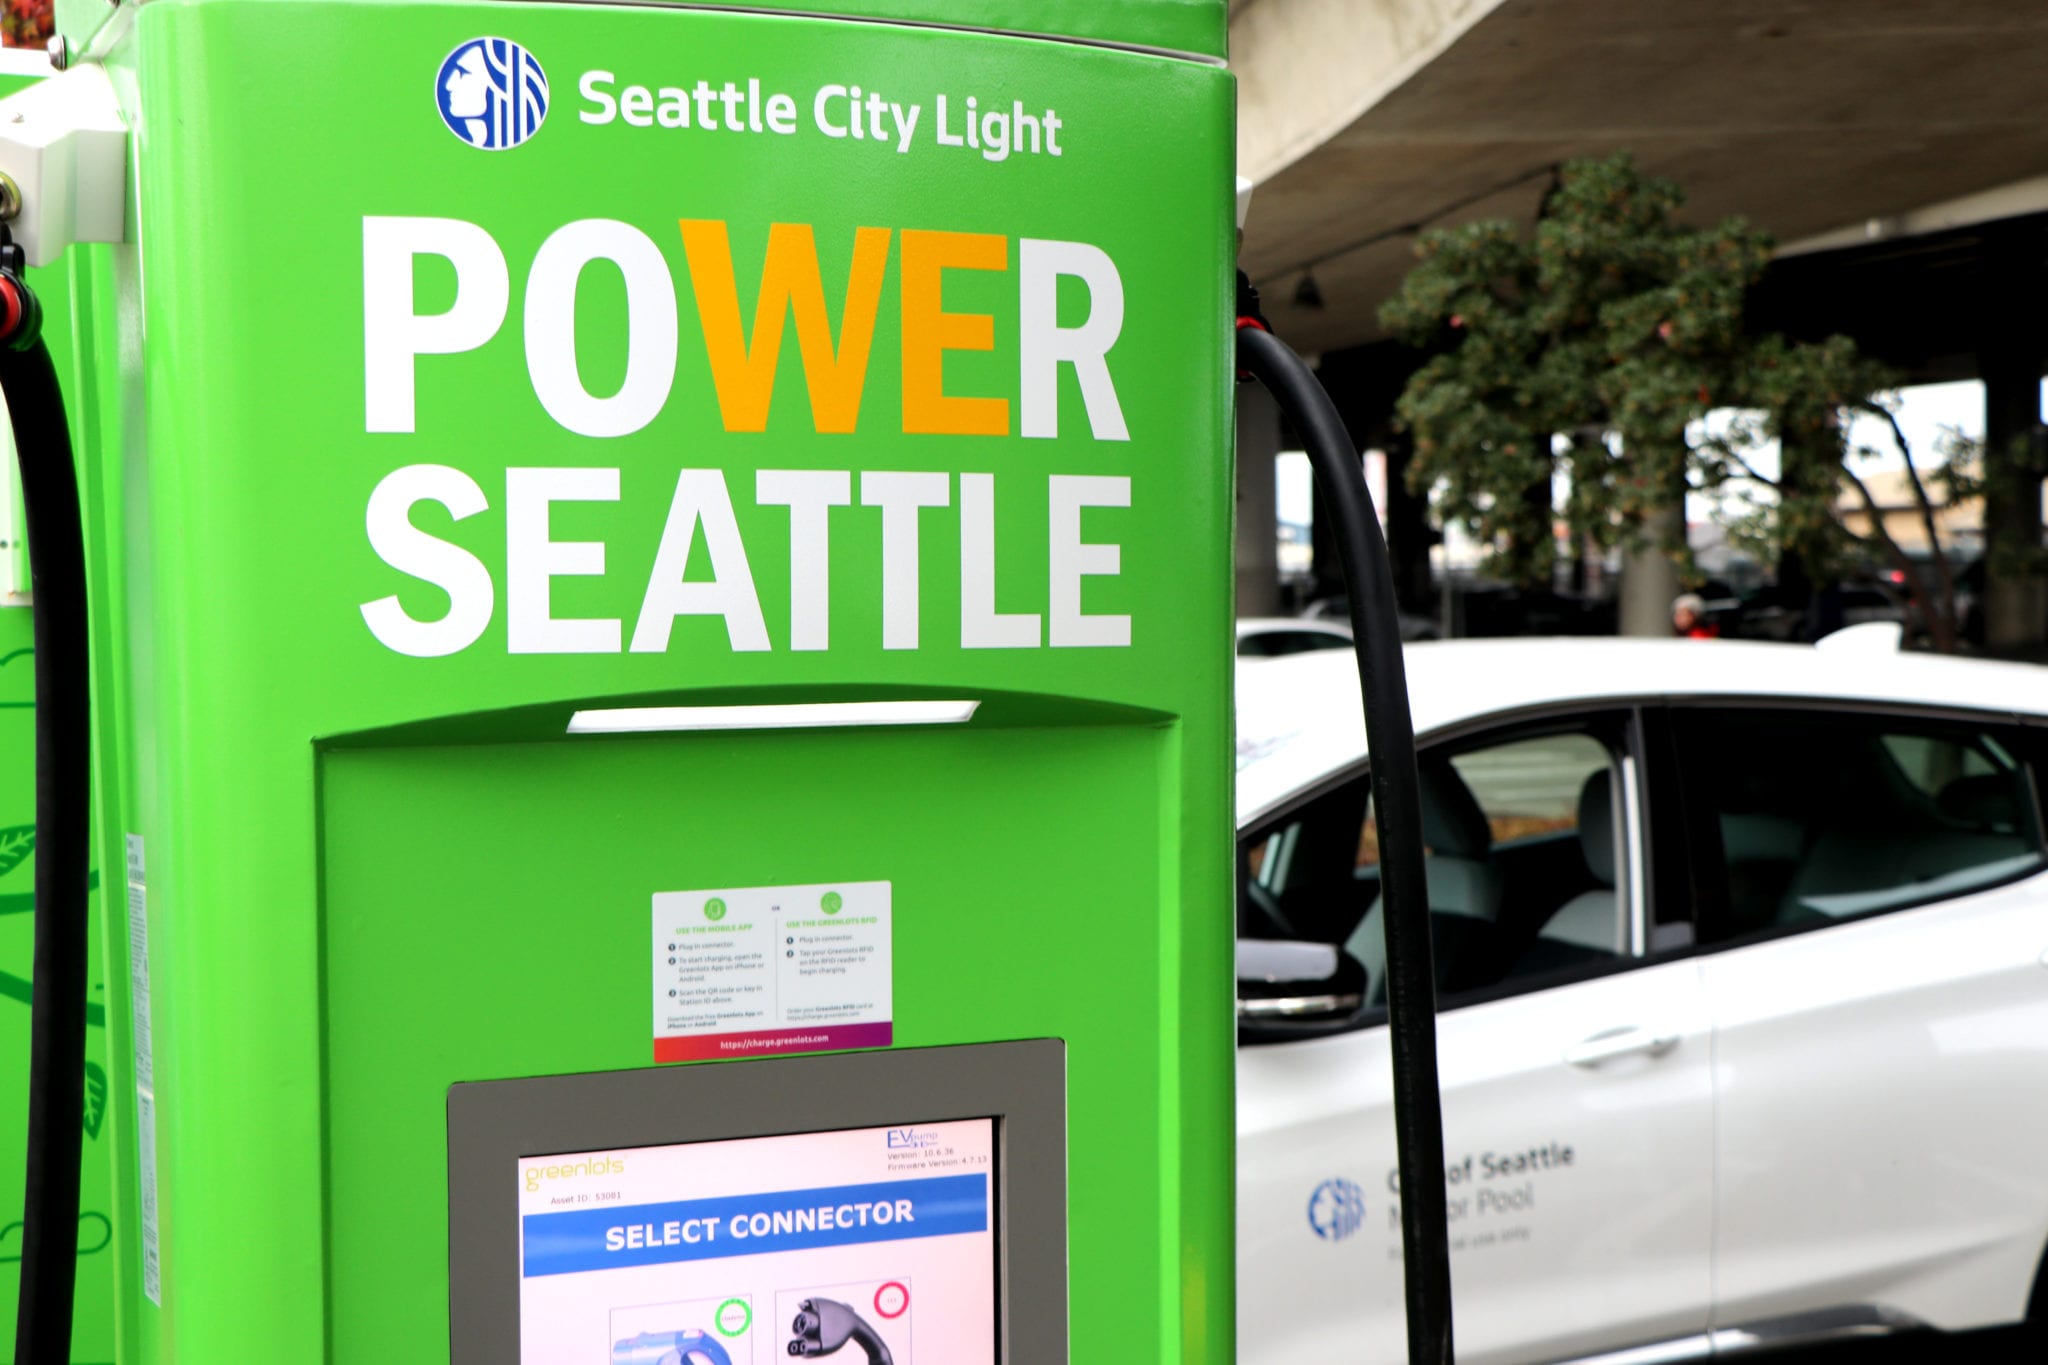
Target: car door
1573	1055
1874	927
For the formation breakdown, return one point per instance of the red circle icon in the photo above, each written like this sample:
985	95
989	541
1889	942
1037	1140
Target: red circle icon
892	1300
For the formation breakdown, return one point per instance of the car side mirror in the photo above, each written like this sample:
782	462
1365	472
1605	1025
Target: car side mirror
1282	982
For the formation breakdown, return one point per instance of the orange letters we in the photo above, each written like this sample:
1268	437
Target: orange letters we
743	373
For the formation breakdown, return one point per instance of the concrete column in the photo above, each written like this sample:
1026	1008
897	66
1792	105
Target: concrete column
2010	358
1649	578
1258	534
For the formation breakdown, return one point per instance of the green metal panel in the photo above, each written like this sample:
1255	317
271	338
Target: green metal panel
371	874
1197	28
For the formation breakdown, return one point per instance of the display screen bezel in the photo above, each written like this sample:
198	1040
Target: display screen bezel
1020	1087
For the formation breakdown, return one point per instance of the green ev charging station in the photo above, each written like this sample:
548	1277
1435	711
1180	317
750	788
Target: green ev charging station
660	595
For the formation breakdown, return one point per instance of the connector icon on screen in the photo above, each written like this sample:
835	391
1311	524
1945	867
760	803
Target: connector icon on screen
670	1348
822	1326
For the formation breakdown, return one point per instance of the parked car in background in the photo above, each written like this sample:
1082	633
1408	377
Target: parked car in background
1772	615
1336	611
1742	952
1966	572
1266	637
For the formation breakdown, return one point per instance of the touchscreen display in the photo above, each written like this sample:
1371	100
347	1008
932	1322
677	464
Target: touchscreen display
864	1245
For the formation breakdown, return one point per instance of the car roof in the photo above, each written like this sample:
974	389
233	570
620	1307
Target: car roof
1261	625
1299	720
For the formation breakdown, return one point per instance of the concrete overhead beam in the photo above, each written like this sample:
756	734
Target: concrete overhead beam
2016	200
1307	69
1366	120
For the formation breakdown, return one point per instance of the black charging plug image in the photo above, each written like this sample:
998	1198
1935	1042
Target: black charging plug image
822	1326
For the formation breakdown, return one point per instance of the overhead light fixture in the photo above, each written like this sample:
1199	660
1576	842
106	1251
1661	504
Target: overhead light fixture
1307	294
784	716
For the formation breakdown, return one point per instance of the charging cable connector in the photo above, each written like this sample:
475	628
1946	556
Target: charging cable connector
822	1326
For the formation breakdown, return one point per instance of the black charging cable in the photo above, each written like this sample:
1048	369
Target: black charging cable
56	1069
1397	813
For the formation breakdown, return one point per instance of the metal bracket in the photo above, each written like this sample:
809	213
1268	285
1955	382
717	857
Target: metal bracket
64	152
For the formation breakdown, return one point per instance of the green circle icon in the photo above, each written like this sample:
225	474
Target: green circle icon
724	1315
714	909
830	902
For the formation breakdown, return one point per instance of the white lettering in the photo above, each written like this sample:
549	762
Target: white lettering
393	334
650	327
807	493
900	495
904	126
531	560
1043	344
589	85
947	139
827	92
700	497
1071	559
412	551
981	627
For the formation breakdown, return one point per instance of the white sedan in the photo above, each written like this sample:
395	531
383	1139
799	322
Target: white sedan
1742	953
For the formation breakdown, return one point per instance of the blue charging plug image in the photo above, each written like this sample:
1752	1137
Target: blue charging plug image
670	1348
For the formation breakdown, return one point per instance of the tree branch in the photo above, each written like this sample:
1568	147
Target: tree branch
1749	470
1905	565
1945	629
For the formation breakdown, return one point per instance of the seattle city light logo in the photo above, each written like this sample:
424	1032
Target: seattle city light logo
1336	1209
492	93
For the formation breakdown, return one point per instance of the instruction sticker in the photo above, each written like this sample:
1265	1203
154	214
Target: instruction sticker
145	1066
768	970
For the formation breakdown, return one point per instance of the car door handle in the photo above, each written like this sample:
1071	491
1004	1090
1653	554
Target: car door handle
1619	1042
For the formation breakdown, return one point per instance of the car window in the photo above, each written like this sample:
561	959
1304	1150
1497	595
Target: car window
1303	877
1523	854
1530	788
1815	817
1931	762
1271	644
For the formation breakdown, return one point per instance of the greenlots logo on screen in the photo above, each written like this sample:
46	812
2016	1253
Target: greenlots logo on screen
714	909
590	1166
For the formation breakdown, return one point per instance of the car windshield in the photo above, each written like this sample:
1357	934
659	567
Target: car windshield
1270	644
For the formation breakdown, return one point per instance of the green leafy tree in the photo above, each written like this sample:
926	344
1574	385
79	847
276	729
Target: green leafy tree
1597	345
26	23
